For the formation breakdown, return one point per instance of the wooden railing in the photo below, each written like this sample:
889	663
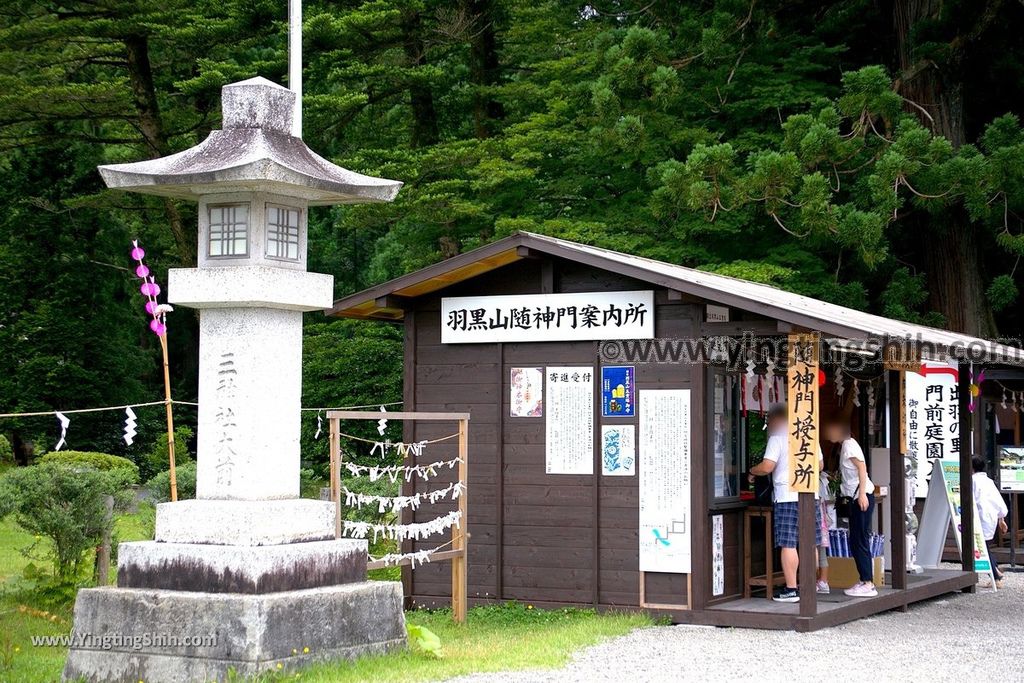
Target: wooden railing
460	536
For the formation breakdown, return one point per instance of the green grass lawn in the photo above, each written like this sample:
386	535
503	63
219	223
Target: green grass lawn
499	638
22	616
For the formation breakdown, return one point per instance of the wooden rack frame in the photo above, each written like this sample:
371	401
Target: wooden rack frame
460	534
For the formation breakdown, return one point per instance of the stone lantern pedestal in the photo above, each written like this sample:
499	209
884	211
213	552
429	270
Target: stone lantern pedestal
248	576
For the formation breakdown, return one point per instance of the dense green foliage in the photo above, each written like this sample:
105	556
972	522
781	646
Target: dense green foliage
63	504
865	153
157	459
185	478
127	470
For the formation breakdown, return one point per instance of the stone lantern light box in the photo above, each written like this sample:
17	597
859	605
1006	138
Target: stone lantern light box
247	558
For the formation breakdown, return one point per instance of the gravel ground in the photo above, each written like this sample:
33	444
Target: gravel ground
957	637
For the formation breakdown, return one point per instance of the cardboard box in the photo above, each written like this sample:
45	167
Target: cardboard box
842	572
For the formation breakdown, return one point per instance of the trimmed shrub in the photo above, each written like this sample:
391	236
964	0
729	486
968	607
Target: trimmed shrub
63	503
6	452
160	485
156	459
103	462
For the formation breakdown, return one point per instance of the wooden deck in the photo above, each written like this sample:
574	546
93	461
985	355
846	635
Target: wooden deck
833	609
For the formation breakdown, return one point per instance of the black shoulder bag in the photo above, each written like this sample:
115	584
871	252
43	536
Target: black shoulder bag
844	504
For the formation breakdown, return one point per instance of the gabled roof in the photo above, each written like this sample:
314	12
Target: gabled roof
255	150
382	302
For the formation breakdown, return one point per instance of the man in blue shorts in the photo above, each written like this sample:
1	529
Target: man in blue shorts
786	516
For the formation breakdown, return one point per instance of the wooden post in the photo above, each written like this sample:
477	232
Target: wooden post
103	556
170	419
966	473
459	535
335	438
807	571
897	481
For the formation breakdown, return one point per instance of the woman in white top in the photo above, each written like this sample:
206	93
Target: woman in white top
853	470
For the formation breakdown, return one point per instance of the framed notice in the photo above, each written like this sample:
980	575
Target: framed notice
569	427
547	317
932	412
664	480
717	556
526	392
1011	469
618	391
618	450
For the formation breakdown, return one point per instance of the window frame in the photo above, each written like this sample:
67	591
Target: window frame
734	501
298	234
209	229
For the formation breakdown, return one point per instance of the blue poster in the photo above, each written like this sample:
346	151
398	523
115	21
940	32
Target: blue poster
618	391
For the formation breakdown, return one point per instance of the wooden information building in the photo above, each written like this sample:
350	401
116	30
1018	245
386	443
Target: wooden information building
617	403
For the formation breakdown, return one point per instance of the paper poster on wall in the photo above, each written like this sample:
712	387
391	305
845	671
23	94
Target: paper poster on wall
618	450
664	480
717	556
569	426
526	392
618	391
932	413
1011	469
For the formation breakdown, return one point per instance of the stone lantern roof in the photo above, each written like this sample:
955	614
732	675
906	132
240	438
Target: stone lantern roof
254	151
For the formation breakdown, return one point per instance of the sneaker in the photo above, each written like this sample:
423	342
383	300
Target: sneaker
787	595
862	590
823	588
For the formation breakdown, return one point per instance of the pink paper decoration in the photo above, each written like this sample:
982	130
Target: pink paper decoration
150	289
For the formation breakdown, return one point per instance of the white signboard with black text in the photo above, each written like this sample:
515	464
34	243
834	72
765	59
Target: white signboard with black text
569	422
547	317
664	480
932	418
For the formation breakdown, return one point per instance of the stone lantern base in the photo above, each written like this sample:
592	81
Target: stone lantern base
190	612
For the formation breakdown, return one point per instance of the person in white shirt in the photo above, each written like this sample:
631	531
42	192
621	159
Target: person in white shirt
785	517
991	509
855	484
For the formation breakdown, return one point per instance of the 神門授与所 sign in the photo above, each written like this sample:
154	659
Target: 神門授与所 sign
547	317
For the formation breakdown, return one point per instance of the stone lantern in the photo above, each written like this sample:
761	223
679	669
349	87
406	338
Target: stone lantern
240	562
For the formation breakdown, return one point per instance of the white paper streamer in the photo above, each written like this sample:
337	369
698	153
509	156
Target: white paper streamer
856	392
396	472
129	426
399	503
403	449
402	532
319	426
415	557
840	389
64	422
382	423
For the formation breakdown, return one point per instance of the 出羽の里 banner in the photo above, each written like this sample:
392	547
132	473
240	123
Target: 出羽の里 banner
547	317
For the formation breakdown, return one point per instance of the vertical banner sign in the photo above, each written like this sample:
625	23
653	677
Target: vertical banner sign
569	428
717	556
664	481
618	450
803	412
951	483
618	391
933	418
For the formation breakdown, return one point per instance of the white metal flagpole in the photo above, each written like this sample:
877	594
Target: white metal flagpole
295	61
